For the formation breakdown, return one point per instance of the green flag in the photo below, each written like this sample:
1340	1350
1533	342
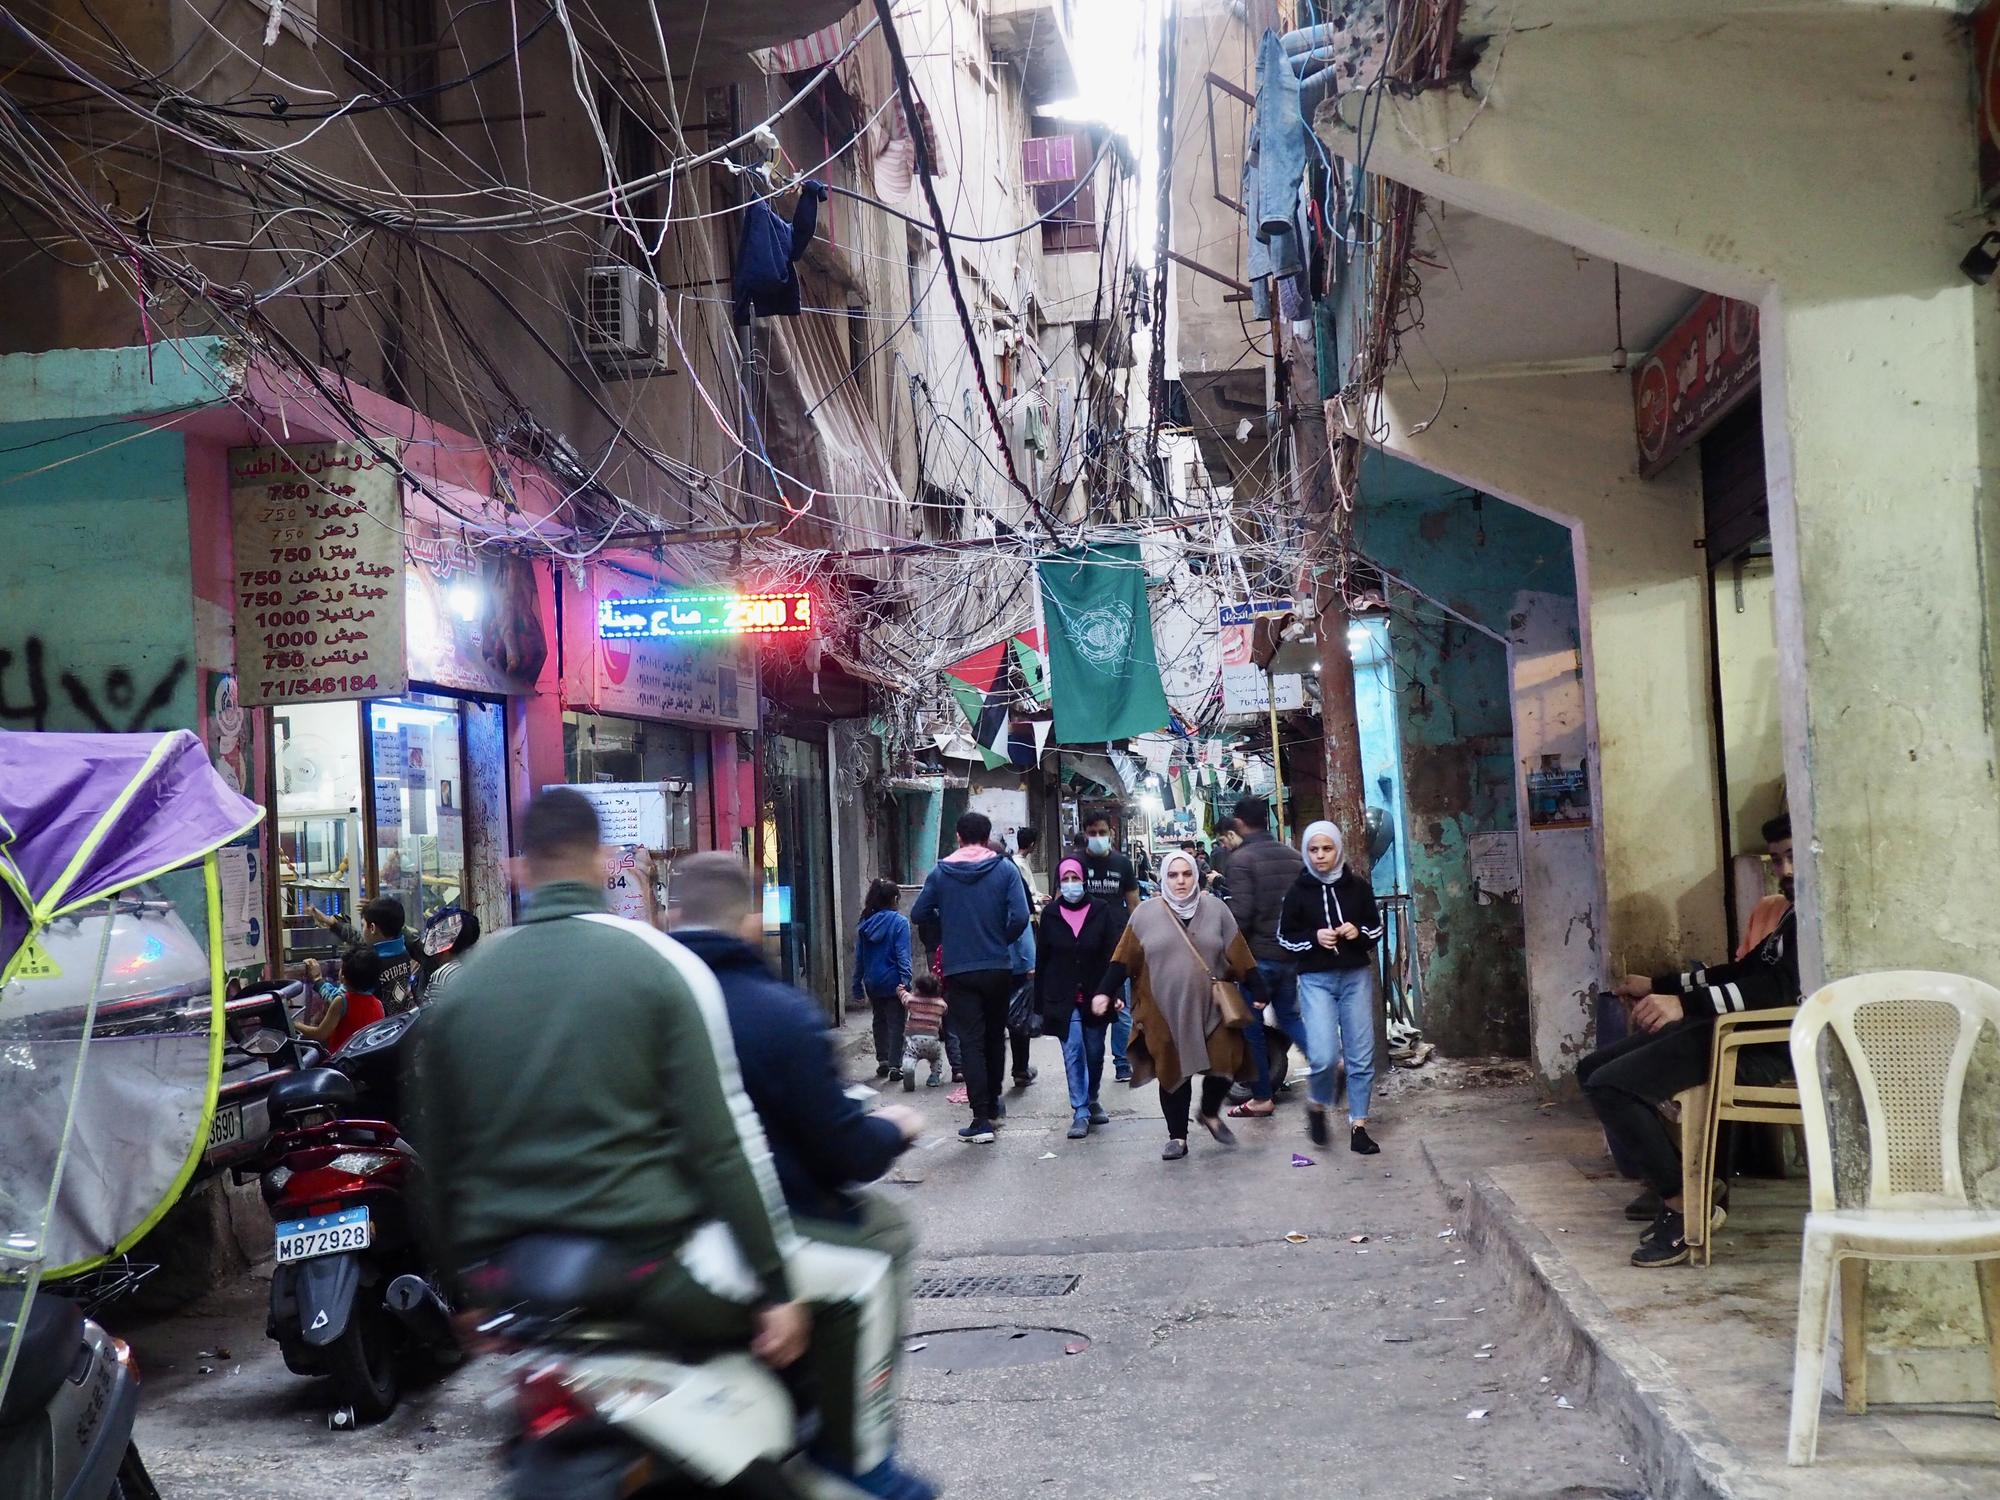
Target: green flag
1104	676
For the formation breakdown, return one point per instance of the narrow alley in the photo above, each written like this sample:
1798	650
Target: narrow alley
1215	1356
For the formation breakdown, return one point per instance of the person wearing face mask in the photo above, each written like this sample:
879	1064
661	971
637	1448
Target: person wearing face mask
1108	876
1329	925
1073	949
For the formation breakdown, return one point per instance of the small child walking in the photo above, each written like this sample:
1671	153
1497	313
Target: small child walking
923	1006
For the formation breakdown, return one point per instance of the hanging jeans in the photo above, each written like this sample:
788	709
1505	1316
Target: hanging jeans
1338	1008
1281	983
1083	1061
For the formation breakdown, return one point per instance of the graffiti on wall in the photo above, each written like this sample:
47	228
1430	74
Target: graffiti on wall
112	699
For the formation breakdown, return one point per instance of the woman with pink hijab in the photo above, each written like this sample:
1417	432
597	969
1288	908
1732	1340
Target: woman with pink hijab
1072	950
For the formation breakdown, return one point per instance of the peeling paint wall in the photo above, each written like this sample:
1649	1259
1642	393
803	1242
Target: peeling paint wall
1512	573
1455	715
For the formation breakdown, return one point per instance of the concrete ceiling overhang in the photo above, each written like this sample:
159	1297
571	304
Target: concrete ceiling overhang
1497	299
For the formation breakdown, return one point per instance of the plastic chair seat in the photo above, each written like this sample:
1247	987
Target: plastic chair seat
1946	1231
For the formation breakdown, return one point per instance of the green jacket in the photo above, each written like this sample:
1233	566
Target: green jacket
580	1078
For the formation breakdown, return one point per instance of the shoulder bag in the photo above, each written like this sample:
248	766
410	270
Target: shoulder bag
1226	993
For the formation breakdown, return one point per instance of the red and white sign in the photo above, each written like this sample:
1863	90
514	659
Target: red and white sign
1706	364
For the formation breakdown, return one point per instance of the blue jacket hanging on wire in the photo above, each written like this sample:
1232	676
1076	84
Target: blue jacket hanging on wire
765	282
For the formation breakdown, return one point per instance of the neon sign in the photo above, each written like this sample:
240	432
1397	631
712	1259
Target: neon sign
680	616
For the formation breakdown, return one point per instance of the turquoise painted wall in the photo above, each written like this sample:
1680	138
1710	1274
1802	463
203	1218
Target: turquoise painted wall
1485	560
1473	553
1456	722
96	605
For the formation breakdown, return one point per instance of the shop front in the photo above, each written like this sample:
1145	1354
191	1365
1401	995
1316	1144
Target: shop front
385	650
667	721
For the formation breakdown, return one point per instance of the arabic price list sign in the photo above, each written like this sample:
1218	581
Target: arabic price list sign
687	614
319	573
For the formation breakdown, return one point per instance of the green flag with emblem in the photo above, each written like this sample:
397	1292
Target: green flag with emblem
1104	674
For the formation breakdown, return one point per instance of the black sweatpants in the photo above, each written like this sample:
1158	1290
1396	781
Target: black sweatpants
1628	1081
1174	1102
975	1005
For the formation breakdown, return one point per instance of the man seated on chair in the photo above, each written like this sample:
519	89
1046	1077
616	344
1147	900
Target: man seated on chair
1669	1051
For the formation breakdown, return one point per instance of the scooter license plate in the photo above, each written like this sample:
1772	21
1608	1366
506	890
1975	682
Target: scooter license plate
329	1234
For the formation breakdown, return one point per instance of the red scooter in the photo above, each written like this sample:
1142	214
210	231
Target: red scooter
352	1297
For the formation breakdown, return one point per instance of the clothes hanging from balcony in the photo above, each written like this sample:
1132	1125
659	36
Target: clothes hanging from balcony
766	282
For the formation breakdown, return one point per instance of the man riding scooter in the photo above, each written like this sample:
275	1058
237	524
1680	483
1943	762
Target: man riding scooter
824	1144
580	1080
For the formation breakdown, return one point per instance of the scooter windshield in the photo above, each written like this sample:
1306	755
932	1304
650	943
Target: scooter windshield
107	1043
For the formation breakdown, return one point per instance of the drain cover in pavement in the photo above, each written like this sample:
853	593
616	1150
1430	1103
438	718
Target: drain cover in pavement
996	1286
954	1349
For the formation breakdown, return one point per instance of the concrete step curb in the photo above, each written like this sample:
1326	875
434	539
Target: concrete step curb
1677	1449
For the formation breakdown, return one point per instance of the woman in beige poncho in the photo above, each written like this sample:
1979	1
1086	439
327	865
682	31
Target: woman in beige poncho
1173	947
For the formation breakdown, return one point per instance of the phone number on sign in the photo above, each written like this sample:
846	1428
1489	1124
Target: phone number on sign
299	687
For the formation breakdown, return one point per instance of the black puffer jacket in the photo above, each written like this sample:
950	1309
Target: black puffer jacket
1312	904
1261	871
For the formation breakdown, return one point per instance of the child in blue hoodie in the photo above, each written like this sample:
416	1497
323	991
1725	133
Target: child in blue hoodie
882	972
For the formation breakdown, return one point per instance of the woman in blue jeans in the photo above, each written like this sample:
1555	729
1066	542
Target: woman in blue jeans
1330	925
1073	949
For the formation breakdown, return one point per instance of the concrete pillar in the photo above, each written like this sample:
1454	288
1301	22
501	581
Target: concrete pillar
1820	159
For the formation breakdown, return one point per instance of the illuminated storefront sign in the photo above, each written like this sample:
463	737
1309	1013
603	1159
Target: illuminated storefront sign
685	615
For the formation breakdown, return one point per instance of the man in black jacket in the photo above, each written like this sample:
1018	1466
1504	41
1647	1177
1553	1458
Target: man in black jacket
1261	870
1673	1018
825	1147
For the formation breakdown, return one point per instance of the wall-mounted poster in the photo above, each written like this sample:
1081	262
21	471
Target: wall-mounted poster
1559	793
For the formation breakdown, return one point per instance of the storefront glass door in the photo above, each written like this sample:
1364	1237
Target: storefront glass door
417	761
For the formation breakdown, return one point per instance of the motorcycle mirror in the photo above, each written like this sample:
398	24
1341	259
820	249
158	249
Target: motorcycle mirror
264	1042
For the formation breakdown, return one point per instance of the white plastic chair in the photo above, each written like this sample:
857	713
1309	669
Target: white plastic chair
1909	1036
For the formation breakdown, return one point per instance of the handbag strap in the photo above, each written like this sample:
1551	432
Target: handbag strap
1188	938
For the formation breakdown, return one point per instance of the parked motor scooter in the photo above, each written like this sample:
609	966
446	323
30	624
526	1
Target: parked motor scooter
66	1417
608	1411
352	1297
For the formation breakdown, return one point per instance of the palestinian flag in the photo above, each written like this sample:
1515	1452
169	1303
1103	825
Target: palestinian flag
984	686
1033	662
979	685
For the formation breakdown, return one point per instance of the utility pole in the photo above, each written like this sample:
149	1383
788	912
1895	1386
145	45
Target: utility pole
1308	460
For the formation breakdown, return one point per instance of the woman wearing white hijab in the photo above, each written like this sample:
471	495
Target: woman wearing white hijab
1330	925
1173	949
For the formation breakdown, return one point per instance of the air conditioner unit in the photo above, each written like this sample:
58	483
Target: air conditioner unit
625	323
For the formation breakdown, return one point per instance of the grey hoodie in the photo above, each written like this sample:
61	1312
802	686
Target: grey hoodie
977	906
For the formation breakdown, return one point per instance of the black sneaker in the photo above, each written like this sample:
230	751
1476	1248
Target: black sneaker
1097	1114
978	1133
1645	1208
1359	1142
882	1070
1022	1080
1316	1126
1664	1244
1122	1072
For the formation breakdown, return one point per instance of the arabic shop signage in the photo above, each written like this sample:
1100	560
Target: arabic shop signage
318	532
688	614
1705	365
